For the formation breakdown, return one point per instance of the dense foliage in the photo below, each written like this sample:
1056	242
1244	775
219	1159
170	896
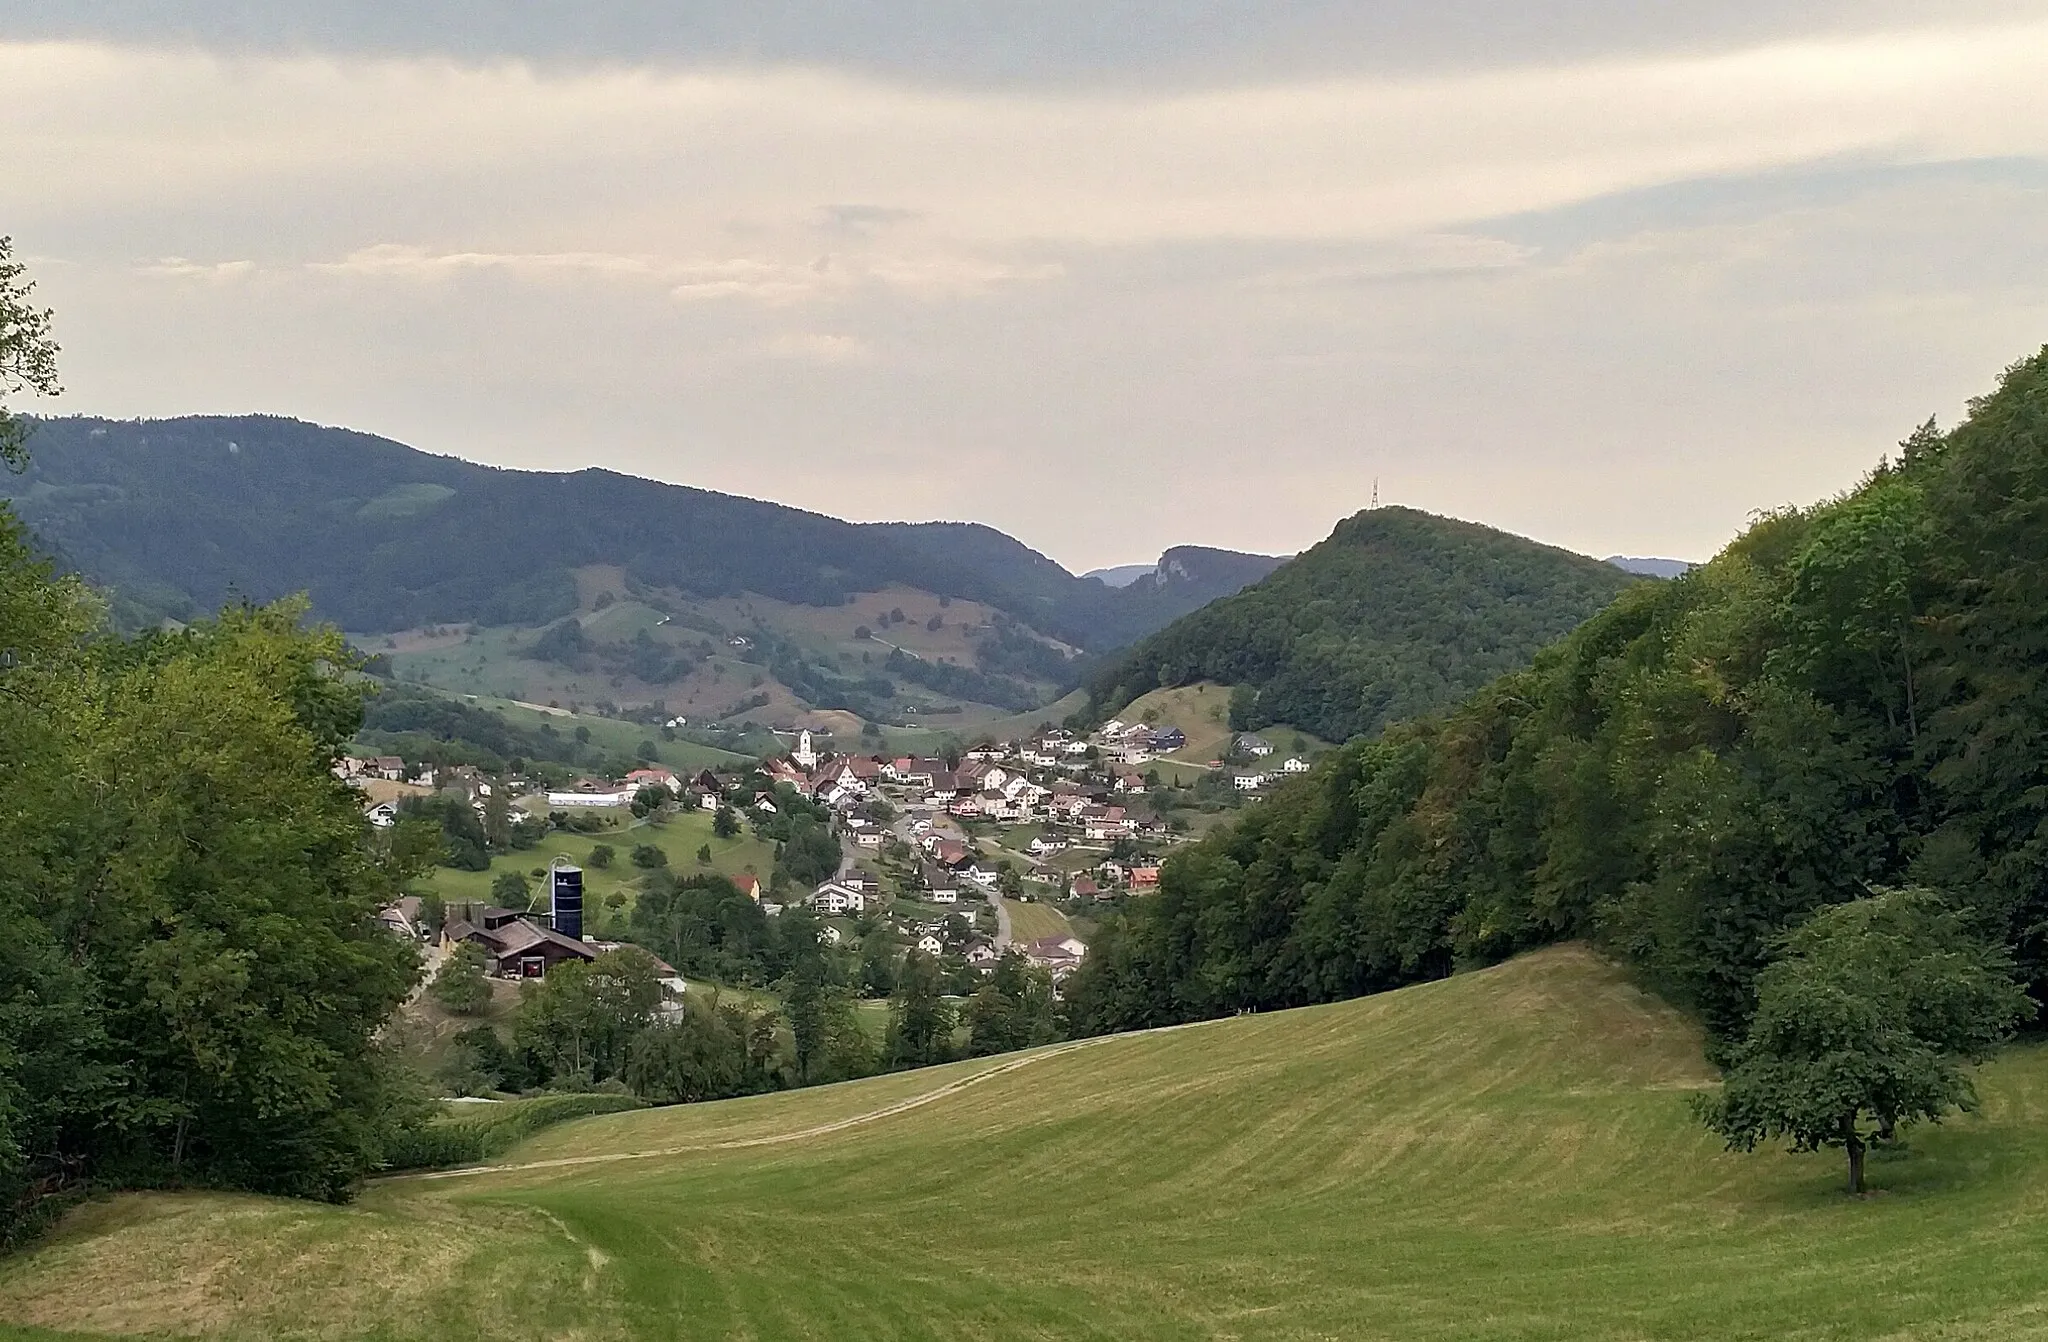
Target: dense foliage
183	515
193	975
1397	614
1851	694
481	1135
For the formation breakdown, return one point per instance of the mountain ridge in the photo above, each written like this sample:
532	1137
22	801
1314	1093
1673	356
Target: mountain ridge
181	515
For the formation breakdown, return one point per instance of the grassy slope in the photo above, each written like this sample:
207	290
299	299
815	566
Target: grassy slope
1203	713
1504	1154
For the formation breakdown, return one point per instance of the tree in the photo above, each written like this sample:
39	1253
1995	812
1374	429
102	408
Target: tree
510	889
28	353
726	823
581	1021
462	986
648	856
878	952
649	799
1864	1023
601	856
920	1022
803	1001
700	1053
703	854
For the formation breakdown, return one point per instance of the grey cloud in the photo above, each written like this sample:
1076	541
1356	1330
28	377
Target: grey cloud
1095	42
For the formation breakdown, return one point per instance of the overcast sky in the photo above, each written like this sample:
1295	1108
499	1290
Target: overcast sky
1109	275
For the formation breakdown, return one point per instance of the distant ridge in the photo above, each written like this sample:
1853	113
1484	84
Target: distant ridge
1652	568
1123	575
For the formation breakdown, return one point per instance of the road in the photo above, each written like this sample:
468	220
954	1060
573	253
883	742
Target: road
1002	920
902	830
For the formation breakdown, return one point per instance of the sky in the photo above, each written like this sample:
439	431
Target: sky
1111	275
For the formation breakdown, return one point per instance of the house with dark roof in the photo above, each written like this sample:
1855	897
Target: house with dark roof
519	947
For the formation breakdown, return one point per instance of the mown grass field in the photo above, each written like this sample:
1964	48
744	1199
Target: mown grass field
1031	921
1506	1154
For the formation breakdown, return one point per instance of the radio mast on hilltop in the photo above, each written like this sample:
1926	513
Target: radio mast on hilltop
1375	491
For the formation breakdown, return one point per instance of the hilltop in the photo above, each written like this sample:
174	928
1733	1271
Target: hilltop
1397	614
1503	1154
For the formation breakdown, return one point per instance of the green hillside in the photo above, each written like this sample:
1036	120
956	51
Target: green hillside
1397	614
1505	1154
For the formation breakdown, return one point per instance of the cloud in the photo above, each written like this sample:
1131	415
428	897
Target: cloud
1616	303
402	261
629	163
178	268
767	281
1047	43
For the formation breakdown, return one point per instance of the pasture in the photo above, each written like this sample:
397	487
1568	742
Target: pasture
1504	1154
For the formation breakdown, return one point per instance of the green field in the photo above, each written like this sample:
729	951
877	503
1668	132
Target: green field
1505	1154
680	836
1035	922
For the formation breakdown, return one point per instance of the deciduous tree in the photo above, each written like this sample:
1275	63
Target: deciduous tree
1866	1023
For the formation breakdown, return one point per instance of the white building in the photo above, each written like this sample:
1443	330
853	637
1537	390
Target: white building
590	799
806	754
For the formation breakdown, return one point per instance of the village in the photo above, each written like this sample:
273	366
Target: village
962	858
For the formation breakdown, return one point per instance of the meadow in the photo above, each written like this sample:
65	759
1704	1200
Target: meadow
679	836
1033	921
1504	1154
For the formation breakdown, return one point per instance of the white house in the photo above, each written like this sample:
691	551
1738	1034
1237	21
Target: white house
931	945
1297	765
1256	746
383	815
835	898
1249	782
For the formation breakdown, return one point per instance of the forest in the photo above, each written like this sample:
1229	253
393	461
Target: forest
1397	614
1851	696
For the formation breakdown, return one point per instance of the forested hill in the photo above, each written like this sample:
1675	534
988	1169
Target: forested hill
182	515
1397	614
1848	697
